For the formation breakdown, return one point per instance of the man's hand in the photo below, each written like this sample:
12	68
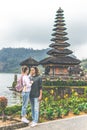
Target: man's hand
40	98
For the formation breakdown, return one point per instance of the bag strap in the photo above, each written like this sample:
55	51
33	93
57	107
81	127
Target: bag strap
22	80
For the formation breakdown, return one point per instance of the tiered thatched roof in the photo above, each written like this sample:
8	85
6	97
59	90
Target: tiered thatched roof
59	53
29	62
60	61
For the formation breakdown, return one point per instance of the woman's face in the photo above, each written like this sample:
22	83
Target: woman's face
32	71
27	71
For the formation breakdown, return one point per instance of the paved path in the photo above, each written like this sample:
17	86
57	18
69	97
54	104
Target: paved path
74	123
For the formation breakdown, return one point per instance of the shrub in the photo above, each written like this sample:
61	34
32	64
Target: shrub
53	109
49	113
85	108
3	104
69	82
76	111
81	106
13	109
65	112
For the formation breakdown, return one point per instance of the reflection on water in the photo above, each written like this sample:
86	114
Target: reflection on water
6	81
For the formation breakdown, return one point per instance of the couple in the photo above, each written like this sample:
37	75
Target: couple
32	90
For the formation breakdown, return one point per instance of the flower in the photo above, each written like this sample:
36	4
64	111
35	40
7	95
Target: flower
58	97
46	99
76	94
52	91
66	96
72	90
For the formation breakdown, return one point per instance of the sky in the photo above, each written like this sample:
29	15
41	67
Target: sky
29	23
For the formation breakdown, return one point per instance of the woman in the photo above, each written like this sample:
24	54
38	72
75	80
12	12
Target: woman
25	93
35	94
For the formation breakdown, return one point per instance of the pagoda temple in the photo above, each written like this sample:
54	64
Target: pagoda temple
29	62
60	59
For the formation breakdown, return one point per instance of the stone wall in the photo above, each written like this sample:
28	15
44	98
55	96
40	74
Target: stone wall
13	126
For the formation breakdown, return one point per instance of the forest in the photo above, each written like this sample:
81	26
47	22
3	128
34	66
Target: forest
10	58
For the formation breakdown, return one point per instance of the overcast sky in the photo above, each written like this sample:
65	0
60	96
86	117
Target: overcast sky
29	23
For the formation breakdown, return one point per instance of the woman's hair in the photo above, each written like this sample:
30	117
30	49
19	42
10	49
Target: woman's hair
24	69
36	70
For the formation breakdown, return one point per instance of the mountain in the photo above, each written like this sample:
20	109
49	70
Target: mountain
10	58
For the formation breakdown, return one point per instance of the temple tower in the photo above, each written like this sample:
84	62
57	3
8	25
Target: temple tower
60	59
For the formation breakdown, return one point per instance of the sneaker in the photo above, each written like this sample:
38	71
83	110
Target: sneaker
24	120
33	124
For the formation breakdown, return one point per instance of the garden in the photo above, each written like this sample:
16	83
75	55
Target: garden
52	106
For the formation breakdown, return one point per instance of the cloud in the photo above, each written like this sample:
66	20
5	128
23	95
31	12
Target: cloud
78	32
29	23
81	51
28	34
32	33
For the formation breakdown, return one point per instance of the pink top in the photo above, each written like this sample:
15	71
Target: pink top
26	83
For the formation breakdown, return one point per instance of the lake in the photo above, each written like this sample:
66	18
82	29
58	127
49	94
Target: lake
6	81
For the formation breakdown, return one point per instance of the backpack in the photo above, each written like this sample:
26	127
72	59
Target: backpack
19	85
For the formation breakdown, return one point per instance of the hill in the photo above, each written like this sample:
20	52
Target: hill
10	58
84	64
